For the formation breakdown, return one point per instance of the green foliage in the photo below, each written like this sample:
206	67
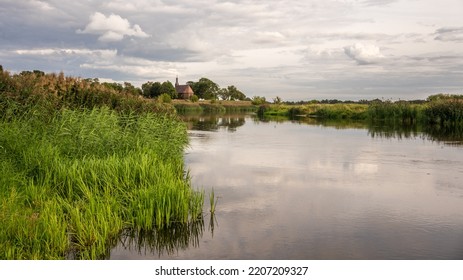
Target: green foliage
401	111
258	100
55	91
445	111
151	90
165	98
205	88
169	89
194	98
212	202
81	161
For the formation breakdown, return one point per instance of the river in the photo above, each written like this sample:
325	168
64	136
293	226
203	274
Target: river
307	190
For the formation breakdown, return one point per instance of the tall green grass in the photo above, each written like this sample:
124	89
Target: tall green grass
71	181
402	112
445	112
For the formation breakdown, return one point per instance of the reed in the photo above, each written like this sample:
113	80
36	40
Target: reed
212	202
445	111
73	180
401	111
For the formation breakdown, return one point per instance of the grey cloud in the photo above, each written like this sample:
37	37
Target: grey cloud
445	34
378	2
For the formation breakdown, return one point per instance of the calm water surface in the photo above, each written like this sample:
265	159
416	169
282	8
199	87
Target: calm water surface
291	190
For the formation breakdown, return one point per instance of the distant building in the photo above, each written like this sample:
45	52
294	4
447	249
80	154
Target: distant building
183	91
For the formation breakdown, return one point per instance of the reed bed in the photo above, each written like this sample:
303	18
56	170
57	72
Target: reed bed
213	106
442	110
72	181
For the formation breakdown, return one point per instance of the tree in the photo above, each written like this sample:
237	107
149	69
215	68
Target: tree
151	90
258	100
224	94
277	100
205	88
131	89
168	88
235	94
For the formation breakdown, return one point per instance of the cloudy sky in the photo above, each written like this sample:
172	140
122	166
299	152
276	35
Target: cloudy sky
297	50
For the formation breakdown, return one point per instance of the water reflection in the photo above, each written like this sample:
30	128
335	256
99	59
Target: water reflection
305	189
214	122
164	242
449	135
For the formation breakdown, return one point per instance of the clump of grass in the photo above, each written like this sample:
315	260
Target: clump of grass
401	111
212	201
73	181
445	111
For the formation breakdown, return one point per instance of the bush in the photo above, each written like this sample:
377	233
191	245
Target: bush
165	98
194	98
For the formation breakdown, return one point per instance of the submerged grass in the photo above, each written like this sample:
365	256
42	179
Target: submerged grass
72	182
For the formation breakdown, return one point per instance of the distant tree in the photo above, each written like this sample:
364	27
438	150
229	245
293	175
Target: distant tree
205	88
258	100
235	94
224	94
151	90
277	100
116	86
131	89
168	88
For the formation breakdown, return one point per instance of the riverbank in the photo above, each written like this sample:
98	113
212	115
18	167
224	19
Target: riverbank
443	111
80	162
213	106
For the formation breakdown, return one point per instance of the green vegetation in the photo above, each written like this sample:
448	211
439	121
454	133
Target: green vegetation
322	111
204	89
81	162
153	90
212	202
443	110
213	106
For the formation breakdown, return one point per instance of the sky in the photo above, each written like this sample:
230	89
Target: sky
293	49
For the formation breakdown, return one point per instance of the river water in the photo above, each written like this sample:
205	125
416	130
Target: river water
298	190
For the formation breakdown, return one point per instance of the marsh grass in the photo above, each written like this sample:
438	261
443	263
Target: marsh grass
213	106
178	236
73	180
212	202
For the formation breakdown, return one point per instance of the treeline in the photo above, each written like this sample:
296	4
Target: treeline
204	88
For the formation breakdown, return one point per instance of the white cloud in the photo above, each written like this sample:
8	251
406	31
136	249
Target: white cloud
66	52
364	54
269	37
112	28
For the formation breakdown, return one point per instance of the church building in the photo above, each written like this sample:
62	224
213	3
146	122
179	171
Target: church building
183	91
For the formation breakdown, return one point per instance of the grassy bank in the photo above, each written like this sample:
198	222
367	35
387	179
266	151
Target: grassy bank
72	185
213	106
81	162
445	110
